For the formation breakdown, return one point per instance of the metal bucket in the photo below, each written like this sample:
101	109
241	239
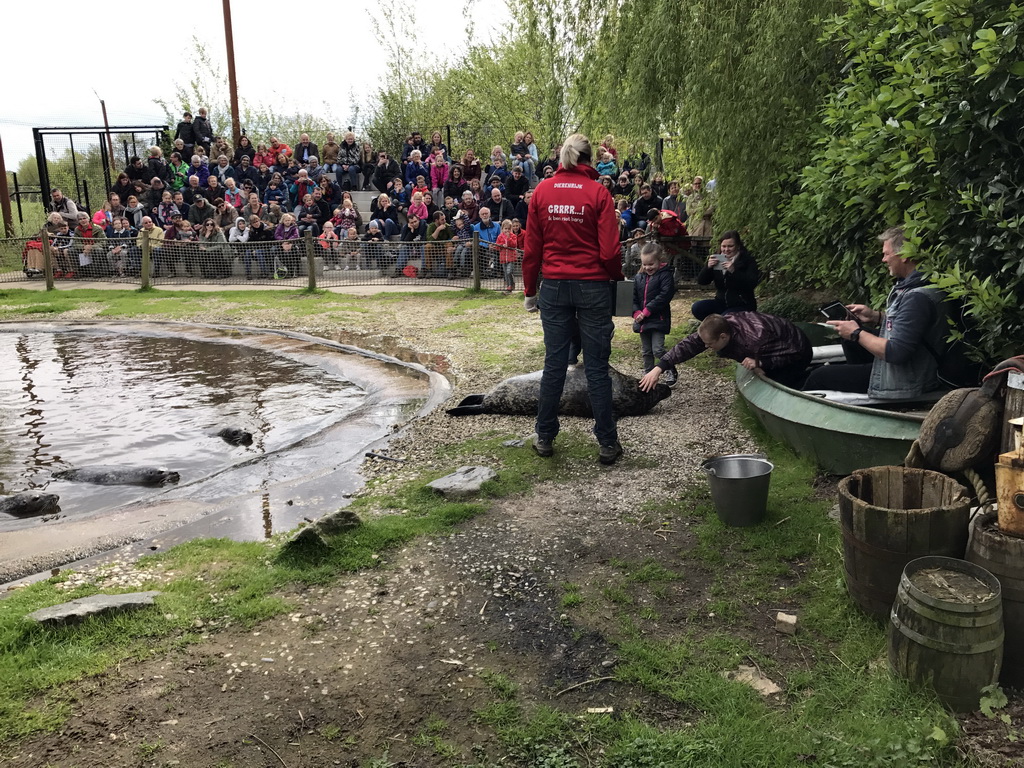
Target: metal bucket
739	487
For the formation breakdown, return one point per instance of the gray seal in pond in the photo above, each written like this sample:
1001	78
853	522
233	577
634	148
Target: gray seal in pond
519	395
30	504
235	436
110	475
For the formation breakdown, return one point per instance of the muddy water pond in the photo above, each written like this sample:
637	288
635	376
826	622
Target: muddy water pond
155	395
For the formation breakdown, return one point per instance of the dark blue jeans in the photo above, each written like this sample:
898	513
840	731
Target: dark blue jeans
588	304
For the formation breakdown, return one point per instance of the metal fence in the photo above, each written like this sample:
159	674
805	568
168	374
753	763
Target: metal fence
143	259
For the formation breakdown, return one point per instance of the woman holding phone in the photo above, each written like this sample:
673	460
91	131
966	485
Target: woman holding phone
734	273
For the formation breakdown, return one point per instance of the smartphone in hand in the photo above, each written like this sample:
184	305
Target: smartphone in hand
837	311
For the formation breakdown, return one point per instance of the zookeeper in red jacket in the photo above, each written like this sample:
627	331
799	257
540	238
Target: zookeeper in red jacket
573	238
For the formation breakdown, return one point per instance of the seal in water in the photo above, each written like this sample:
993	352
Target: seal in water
235	436
30	504
110	475
519	395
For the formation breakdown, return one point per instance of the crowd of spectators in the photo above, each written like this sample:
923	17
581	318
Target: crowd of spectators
206	195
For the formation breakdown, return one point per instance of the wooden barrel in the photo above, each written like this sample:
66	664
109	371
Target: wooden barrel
946	630
1002	555
890	516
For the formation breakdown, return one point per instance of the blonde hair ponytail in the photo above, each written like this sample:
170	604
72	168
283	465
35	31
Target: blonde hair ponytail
575	150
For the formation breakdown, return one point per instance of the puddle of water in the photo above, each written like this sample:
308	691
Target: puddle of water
70	399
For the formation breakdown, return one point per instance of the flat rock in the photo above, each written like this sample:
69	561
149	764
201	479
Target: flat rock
752	676
305	540
94	605
337	522
465	481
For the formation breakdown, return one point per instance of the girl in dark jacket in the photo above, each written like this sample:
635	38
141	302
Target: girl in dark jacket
456	184
653	289
735	275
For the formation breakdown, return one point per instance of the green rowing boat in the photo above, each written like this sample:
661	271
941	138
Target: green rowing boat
840	438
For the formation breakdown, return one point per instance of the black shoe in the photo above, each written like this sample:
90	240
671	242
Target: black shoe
609	454
671	378
543	447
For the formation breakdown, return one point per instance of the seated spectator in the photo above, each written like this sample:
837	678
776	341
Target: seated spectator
306	216
550	163
330	191
415	167
607	166
385	215
192	190
413	235
259	252
374	246
462	238
438	163
180	204
428	202
385	171
274	214
166	209
224	215
303	186
305	150
253	208
438	257
471	168
223	170
658	185
450	208
470	208
488	230
197	168
200	211
134	212
329	155
244	149
212	251
345	216
892	354
624	188
323	210
456	183
233	195
278	148
523	207
116	208
122	187
477	189
288	250
103	218
519	155
314	169
417	208
121	239
646	202
214	191
349	157
500	208
263	156
177	172
625	214
420	185
399	195
762	343
156	240
414	143
64	206
88	245
275	192
63	266
435	144
734	279
672	202
137	171
351	250
516	185
497	170
329	251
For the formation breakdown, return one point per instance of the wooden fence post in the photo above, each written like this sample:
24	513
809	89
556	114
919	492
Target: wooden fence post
47	258
310	260
476	261
147	257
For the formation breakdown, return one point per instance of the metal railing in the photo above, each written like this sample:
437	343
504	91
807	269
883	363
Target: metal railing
148	260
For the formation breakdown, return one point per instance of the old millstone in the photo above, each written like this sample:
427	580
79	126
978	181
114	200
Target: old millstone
465	481
94	605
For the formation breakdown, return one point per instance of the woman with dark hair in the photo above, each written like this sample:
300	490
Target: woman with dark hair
573	238
245	149
471	166
456	183
735	275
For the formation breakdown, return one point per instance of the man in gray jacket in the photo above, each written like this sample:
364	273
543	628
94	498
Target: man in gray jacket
898	360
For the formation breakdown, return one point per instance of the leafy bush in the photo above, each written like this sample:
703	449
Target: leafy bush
924	131
790	306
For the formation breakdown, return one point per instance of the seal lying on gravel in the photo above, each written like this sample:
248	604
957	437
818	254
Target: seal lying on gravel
235	436
518	396
109	475
30	504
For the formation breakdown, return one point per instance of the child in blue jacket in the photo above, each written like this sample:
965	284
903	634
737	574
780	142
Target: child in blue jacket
653	288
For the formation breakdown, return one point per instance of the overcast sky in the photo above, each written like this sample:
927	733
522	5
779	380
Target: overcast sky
131	53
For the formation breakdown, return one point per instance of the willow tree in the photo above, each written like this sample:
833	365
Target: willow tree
737	81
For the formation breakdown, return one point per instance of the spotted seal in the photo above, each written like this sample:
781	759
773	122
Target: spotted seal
30	504
519	394
110	475
235	436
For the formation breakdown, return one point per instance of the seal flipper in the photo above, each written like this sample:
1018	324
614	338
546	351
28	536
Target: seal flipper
469	406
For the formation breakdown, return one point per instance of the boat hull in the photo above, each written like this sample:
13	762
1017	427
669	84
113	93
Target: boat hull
839	438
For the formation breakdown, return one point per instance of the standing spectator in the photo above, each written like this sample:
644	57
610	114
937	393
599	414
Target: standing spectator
531	149
157	166
414	233
488	230
510	243
438	258
261	238
462	236
366	160
186	132
202	129
287	233
700	207
653	289
88	244
573	238
522	211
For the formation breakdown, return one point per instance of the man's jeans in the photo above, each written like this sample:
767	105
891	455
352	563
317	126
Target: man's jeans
589	304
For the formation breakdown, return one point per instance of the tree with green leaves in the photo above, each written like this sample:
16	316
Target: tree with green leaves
924	130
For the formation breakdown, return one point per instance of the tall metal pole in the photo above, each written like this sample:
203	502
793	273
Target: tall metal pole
5	196
236	126
110	145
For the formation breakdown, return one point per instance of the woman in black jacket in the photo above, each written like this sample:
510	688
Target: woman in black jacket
735	275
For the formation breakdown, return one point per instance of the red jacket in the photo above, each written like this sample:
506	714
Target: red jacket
573	232
509	246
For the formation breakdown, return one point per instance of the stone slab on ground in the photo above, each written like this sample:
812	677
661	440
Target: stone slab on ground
463	482
95	605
